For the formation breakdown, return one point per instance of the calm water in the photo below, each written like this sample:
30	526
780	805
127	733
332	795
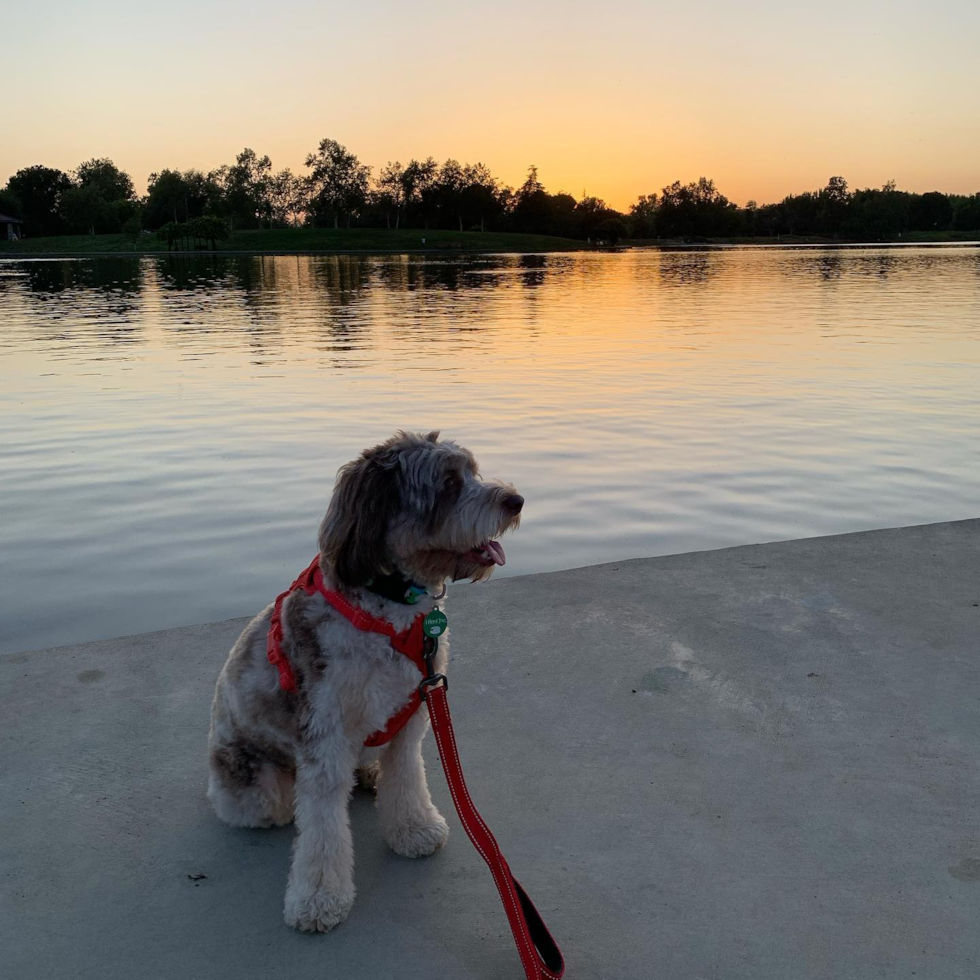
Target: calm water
170	428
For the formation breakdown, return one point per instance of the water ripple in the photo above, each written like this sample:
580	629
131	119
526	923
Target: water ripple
170	428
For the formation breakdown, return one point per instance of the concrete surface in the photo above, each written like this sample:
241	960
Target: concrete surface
735	765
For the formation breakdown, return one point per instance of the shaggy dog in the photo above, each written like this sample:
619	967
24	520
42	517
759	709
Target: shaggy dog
411	510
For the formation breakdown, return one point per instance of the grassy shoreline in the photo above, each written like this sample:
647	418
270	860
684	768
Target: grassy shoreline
299	241
380	241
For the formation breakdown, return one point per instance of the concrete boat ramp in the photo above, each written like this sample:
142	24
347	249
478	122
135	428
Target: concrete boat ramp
752	764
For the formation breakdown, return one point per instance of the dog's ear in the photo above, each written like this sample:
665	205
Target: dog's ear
353	535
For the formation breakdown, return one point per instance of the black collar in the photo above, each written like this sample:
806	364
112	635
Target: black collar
397	588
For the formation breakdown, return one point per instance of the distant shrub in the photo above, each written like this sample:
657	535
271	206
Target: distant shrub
208	229
198	233
132	228
610	231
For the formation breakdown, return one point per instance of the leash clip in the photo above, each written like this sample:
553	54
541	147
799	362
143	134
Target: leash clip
430	648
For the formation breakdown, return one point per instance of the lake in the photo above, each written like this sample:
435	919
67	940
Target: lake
171	427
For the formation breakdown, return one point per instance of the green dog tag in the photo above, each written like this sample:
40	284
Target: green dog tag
435	623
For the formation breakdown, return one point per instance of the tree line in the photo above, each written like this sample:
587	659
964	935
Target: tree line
339	190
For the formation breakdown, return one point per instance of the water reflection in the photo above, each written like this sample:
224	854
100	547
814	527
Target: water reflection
187	415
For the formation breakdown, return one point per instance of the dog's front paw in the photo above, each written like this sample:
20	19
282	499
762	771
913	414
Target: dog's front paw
318	910
418	838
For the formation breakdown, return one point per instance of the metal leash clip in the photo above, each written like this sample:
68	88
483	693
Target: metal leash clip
431	679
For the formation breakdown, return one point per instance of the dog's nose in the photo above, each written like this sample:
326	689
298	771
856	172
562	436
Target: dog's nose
513	502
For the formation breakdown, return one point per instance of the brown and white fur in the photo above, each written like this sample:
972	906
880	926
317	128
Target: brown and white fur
415	504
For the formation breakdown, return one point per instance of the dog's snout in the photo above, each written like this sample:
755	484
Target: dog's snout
513	503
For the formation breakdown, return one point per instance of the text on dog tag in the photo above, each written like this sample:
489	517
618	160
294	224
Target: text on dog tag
435	623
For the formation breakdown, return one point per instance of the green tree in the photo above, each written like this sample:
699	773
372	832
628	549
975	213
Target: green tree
40	191
338	182
166	195
246	189
9	203
388	192
111	183
133	228
966	213
85	210
208	230
285	197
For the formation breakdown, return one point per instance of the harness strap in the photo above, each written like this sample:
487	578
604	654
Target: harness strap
410	642
540	955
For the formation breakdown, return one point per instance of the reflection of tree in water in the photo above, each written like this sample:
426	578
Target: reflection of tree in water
880	266
122	276
342	278
182	274
102	296
684	268
410	273
535	268
220	295
828	266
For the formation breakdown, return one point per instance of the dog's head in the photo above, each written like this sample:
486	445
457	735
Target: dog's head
417	505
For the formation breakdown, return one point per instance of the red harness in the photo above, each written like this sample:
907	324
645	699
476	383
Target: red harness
539	953
410	642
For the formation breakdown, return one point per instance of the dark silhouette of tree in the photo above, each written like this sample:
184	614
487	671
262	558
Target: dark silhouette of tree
84	209
166	194
695	210
481	195
246	190
590	213
418	181
931	211
111	183
609	231
966	212
40	191
448	188
102	200
534	211
643	216
388	194
9	203
285	197
338	182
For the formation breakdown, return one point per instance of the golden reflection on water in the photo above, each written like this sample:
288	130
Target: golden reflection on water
191	414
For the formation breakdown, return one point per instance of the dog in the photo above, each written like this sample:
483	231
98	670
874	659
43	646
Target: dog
412	511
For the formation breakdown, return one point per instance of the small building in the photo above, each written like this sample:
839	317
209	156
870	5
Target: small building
10	227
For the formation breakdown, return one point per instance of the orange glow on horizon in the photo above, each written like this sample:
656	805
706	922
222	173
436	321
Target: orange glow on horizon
615	99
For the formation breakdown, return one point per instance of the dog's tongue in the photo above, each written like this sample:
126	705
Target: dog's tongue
497	552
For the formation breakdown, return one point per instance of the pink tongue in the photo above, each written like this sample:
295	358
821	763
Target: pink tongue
497	552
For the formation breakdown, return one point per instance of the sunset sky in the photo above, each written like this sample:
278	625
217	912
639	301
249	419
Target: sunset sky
615	98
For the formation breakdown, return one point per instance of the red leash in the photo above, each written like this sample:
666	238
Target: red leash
540	955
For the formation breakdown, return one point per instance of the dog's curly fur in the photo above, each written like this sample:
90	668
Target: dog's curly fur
414	504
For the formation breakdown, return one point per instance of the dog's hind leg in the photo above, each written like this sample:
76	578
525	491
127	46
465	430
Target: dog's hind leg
247	788
368	769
